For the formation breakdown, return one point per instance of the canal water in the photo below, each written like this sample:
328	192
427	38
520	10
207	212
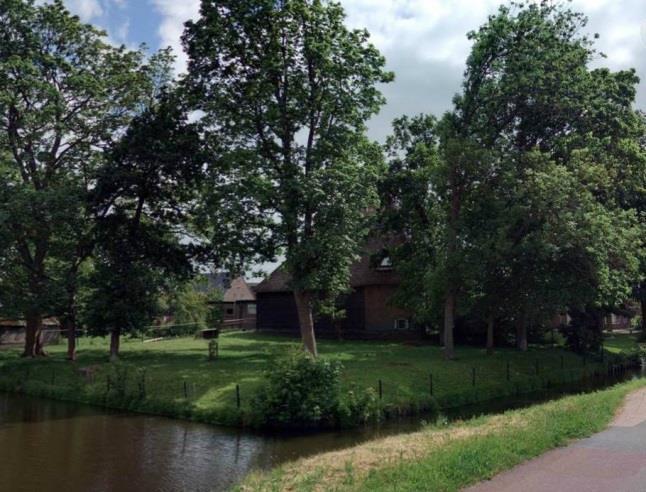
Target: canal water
48	445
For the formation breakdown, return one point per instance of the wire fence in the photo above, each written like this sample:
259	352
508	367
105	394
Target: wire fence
122	382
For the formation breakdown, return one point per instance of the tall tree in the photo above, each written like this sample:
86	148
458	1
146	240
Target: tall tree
528	90
413	213
147	187
287	89
64	94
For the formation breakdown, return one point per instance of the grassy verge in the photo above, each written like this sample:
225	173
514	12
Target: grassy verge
174	377
445	459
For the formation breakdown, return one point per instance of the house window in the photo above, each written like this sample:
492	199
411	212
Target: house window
251	309
385	264
401	324
229	310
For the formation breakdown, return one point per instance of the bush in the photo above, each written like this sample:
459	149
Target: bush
300	391
359	407
303	392
581	338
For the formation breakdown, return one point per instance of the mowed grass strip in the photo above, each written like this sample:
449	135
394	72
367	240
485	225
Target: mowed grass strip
180	380
450	458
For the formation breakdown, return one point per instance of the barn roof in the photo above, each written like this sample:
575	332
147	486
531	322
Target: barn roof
365	271
239	291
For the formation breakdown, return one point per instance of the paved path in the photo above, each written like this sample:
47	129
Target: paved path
612	461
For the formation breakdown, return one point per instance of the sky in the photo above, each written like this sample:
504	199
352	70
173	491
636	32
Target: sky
424	41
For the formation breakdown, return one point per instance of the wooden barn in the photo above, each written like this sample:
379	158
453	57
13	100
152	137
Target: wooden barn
370	310
239	305
12	331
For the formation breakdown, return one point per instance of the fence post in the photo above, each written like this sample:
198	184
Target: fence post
473	376
381	389
53	376
431	383
142	385
238	396
185	391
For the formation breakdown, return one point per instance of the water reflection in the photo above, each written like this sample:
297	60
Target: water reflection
47	445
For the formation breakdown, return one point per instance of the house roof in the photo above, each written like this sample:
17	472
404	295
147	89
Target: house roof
363	272
239	291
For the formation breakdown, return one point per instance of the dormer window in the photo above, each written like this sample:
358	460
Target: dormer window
385	264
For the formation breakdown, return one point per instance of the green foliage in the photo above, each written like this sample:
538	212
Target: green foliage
300	391
581	337
128	278
149	177
358	407
188	304
523	201
65	95
294	171
412	209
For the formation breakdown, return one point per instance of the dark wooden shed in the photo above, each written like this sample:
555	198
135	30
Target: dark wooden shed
370	308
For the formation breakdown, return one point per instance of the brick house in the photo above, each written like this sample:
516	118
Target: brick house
370	309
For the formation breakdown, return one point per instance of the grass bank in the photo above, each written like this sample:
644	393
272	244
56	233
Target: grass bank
449	458
175	377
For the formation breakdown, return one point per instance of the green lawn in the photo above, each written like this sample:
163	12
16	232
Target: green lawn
180	381
620	342
449	458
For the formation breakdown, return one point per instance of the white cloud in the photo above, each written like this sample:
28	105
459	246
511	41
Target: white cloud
121	32
174	14
87	10
425	42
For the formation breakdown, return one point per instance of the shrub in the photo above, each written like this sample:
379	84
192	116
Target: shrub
580	338
359	407
118	377
300	391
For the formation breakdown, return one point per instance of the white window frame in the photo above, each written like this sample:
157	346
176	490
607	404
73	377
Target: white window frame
385	264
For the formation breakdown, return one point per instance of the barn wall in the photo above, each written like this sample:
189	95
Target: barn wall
369	314
380	312
276	311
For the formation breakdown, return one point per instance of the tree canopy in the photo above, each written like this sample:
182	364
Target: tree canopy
287	97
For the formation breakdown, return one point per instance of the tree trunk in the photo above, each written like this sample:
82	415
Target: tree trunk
70	329
449	325
306	321
490	343
643	303
115	337
33	335
521	334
